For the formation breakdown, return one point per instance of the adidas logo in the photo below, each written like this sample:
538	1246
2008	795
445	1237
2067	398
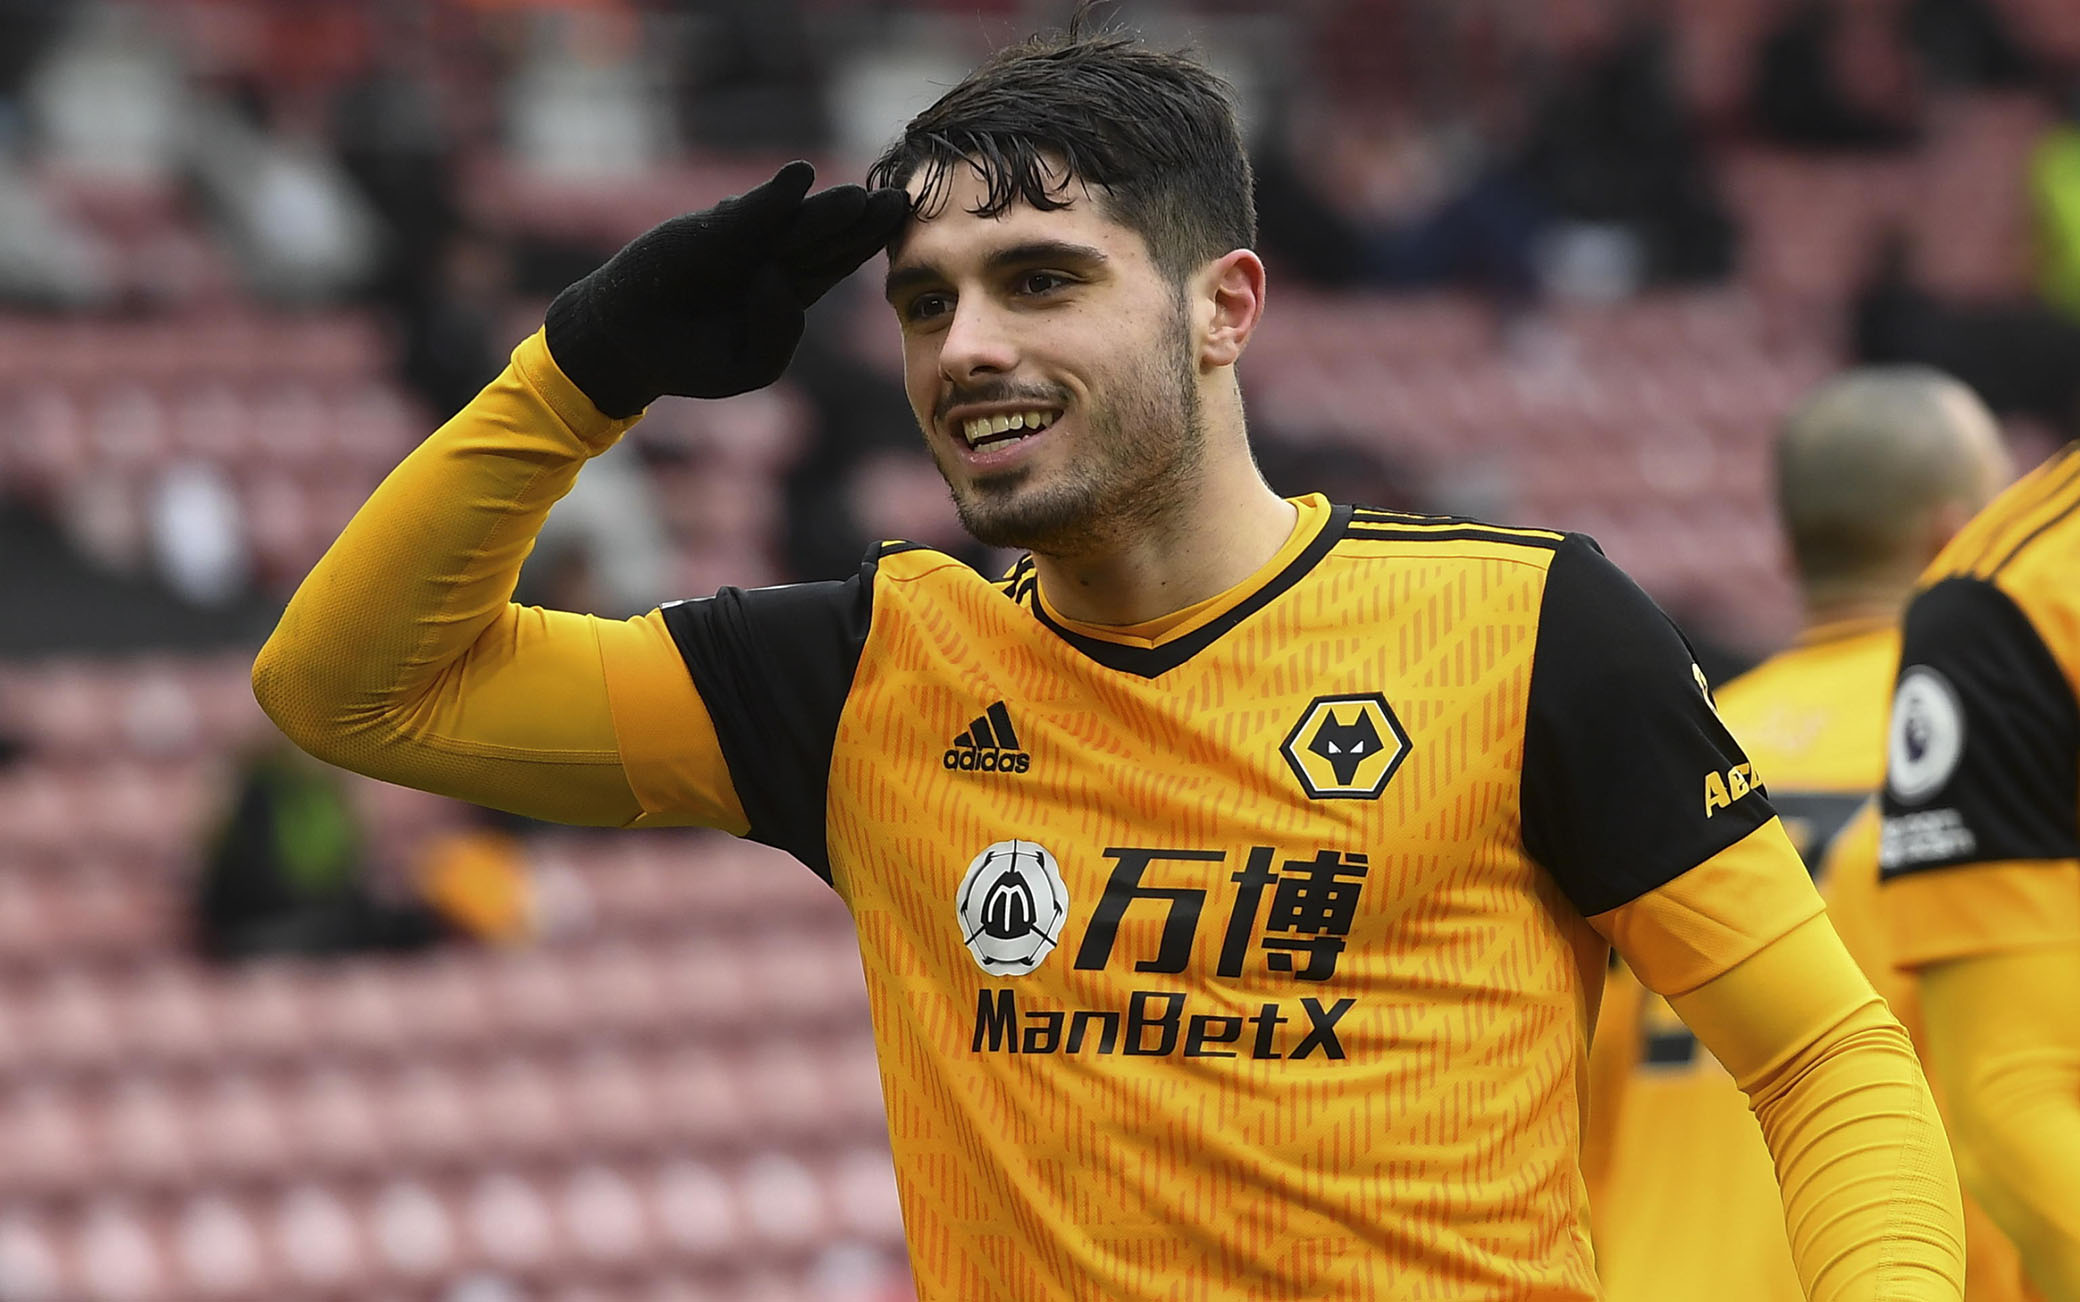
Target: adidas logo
990	745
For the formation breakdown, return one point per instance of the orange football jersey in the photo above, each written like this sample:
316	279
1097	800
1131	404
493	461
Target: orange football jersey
1249	954
1980	850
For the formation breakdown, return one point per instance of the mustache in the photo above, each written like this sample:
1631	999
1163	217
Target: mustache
1003	391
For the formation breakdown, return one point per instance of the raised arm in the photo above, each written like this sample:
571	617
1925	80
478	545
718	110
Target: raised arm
402	656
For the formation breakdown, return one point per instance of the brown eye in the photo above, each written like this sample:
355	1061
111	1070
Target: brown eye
1040	282
926	306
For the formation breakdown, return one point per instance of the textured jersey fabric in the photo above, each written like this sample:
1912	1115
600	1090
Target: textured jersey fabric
1248	955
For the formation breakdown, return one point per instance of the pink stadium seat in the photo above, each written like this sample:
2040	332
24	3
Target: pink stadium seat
700	1098
508	1221
334	1123
318	1241
433	1118
32	1268
50	1146
412	1231
604	1218
147	1129
612	1107
862	1184
694	1208
219	1249
120	1254
73	1020
781	1203
168	1017
516	1104
267	1011
241	1130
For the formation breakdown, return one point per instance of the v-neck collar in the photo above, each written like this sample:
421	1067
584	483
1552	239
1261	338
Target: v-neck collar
1157	646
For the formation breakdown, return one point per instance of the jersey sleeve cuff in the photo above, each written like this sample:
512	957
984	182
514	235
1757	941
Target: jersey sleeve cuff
538	370
1941	914
1709	920
669	749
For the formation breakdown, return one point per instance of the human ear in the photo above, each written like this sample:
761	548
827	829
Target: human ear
1232	287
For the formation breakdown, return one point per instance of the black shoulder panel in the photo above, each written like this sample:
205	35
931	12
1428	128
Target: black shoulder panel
1983	759
1630	780
774	666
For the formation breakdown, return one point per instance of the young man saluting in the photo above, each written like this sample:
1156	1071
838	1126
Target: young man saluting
1233	879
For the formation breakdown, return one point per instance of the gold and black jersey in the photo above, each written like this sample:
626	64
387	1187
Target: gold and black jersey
1253	953
1980	849
1684	1196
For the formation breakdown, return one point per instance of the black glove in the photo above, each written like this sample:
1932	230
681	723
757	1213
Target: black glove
710	304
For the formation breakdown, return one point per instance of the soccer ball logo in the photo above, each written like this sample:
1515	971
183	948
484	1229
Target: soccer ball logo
1927	735
1012	905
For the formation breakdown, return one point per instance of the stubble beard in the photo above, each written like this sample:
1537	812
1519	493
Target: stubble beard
1144	449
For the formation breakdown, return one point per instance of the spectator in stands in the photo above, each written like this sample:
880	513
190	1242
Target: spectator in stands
1828	79
1966	43
755	79
2021	357
1618	154
449	320
287	872
2054	192
1387	201
394	136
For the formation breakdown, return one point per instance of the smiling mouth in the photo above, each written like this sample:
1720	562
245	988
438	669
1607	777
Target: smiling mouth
1006	427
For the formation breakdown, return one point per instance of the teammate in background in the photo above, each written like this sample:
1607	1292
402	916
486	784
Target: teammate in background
1979	855
1876	471
1267	971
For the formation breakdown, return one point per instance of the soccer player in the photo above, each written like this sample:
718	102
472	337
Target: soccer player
1233	879
1979	855
1876	471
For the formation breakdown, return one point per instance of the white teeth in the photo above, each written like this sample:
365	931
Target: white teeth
986	427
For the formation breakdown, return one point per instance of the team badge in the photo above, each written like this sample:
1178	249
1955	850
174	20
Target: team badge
1346	747
1012	905
1927	735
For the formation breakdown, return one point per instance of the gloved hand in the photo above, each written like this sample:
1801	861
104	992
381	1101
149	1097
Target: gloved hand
710	304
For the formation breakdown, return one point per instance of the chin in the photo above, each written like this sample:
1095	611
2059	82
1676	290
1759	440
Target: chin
1058	522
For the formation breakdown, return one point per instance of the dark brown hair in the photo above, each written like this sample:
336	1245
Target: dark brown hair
1152	133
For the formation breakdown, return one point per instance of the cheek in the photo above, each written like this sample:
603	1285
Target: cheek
921	374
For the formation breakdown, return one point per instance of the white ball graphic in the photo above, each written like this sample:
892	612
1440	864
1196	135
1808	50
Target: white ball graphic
1012	905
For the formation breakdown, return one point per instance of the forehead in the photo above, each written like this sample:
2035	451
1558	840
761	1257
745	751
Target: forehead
953	238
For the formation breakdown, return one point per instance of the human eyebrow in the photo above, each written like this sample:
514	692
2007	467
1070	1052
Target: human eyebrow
1042	251
902	279
1033	252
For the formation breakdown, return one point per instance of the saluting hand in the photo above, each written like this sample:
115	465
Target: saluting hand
711	303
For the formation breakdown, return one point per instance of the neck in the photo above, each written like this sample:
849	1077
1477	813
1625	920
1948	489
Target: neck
1215	538
1880	602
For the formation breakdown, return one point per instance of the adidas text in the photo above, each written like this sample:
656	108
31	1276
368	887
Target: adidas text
987	761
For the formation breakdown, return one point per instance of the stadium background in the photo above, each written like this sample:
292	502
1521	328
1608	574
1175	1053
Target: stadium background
1561	262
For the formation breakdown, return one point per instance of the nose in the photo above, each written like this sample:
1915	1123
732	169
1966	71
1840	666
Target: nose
976	342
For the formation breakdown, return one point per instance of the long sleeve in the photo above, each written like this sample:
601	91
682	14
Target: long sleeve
401	655
2004	1043
1870	1195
